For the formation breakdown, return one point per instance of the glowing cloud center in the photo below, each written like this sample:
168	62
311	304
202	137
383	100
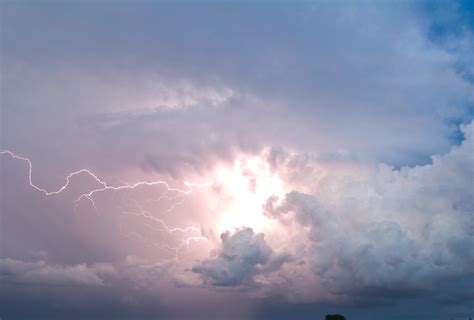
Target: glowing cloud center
247	186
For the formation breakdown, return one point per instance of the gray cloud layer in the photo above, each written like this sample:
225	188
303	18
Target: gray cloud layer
243	87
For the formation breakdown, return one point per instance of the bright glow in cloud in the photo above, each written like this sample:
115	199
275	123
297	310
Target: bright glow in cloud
247	185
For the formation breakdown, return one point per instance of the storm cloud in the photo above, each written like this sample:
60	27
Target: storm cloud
265	160
387	232
242	256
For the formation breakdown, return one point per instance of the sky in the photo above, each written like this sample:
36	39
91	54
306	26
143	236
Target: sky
236	160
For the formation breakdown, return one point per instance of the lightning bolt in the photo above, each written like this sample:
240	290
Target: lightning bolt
103	186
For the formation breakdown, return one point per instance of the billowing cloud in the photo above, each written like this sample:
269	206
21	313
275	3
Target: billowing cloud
387	232
242	256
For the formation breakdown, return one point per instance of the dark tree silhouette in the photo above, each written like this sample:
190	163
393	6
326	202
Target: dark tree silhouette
335	317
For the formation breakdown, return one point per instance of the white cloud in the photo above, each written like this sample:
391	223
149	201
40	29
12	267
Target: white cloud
383	232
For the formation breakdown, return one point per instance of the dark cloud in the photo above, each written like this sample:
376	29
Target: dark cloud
242	256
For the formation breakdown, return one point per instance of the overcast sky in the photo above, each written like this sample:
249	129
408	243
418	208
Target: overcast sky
245	160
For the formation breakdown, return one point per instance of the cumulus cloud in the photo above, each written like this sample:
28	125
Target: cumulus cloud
242	256
386	232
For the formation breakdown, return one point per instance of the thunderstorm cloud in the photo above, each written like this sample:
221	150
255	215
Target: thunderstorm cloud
247	160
